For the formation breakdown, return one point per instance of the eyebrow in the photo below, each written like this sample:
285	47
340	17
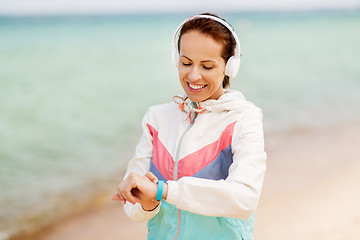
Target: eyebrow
201	61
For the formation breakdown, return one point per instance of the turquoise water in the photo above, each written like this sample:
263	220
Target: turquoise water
73	91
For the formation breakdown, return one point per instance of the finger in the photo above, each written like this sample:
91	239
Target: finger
131	199
124	191
127	187
128	195
151	177
116	197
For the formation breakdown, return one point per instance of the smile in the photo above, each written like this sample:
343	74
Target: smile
196	87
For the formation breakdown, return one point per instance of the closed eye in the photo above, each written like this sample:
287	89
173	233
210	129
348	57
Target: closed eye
207	68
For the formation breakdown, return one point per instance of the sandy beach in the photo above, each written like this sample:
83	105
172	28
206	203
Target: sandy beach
310	192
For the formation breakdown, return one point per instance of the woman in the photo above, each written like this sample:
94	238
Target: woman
200	163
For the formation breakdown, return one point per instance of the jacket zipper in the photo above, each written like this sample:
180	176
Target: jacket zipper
178	151
177	160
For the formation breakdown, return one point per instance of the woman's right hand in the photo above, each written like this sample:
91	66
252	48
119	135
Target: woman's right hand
141	189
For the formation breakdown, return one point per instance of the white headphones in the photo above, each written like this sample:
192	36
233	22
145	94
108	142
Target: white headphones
233	63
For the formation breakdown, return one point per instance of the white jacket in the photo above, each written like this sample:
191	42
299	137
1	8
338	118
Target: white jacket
214	166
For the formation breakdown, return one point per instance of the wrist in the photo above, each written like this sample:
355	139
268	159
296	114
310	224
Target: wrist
151	206
162	190
165	191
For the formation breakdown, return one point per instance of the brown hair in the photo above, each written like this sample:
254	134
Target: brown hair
217	31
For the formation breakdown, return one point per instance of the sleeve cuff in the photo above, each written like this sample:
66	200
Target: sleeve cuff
138	214
173	192
156	209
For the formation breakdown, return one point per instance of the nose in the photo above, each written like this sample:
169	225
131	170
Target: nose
194	74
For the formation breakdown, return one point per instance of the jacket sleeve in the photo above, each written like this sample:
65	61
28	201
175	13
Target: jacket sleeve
237	196
140	164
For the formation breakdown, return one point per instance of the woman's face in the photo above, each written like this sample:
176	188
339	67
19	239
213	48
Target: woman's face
201	67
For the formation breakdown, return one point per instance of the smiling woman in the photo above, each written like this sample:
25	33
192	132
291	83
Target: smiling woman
206	152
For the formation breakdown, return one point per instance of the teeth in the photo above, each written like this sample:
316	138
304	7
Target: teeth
196	86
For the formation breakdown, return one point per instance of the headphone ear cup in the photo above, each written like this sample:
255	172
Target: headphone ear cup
175	57
232	66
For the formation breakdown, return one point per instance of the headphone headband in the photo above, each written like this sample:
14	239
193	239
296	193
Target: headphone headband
233	64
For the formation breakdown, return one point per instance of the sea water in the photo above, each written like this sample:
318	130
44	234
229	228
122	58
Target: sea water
73	90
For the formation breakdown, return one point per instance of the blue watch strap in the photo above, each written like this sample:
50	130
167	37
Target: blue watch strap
160	190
